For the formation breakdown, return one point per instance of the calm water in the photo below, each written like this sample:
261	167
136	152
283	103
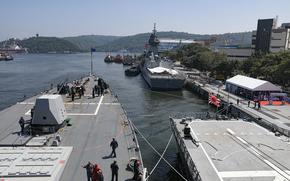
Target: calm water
30	74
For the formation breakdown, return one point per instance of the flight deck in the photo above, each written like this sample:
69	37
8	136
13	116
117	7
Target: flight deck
231	150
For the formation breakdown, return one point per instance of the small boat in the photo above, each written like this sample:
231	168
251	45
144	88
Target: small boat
109	59
132	71
128	60
118	59
5	56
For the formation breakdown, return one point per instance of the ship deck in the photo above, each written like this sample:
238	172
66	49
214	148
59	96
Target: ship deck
234	151
94	122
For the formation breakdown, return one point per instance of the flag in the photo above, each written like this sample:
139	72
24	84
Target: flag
93	50
212	99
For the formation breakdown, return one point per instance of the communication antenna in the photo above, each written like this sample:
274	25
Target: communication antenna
275	23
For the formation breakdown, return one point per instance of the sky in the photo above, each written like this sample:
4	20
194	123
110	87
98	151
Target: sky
60	18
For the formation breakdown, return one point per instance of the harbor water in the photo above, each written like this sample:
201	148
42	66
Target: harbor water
30	74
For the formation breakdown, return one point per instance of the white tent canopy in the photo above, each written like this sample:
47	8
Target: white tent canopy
252	84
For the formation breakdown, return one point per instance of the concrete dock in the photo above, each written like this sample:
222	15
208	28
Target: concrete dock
275	118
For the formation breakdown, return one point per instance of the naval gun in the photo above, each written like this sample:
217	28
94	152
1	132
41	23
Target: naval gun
49	114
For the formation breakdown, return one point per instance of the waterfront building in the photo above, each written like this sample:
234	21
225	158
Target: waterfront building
267	38
170	44
236	53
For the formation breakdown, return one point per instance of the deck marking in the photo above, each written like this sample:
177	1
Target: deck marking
209	159
283	173
99	105
243	141
80	114
260	155
231	131
28	112
256	173
24	103
108	103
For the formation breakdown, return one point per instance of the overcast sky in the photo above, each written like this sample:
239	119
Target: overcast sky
25	18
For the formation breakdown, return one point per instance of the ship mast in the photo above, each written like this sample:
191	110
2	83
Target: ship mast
153	42
154	30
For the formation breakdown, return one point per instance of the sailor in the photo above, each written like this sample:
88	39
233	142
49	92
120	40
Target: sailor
114	168
102	88
136	169
100	175
72	94
114	145
238	101
97	89
82	90
100	81
93	92
89	169
259	105
249	102
21	123
97	173
32	112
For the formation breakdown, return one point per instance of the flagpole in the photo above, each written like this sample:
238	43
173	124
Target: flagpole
91	73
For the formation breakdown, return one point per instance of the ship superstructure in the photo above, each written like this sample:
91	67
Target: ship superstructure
158	72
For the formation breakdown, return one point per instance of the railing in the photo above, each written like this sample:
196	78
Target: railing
191	115
134	137
193	172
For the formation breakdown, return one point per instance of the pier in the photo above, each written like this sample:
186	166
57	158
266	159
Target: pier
274	118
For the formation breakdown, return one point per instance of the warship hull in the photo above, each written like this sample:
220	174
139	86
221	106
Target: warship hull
162	81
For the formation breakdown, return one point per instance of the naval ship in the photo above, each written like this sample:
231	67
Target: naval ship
229	149
51	136
158	72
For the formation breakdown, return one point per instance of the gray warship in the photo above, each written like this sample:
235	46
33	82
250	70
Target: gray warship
50	136
229	150
158	72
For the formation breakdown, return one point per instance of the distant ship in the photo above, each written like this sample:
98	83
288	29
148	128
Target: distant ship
11	46
158	72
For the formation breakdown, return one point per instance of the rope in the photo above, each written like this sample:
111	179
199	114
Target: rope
160	158
158	152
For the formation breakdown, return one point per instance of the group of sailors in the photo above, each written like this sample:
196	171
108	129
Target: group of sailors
99	88
78	88
94	172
